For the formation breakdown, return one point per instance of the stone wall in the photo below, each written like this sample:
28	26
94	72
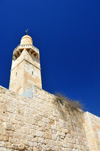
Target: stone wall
92	128
39	124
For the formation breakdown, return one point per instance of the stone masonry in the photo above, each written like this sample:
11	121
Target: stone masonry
25	70
38	124
92	128
32	120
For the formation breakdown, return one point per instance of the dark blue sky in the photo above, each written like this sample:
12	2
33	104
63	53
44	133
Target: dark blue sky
67	34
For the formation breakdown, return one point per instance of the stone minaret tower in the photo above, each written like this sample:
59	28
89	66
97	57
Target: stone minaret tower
25	70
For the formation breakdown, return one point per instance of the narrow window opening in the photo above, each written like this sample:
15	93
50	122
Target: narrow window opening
16	73
32	72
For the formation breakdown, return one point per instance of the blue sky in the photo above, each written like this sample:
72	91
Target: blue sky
67	34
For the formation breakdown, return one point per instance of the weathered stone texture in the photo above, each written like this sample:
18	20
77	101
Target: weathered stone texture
38	124
92	128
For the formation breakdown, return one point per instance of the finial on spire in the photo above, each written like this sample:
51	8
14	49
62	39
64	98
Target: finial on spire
26	32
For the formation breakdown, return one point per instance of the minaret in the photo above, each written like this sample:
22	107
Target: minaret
25	70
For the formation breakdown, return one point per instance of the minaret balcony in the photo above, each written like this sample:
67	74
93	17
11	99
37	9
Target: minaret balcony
32	50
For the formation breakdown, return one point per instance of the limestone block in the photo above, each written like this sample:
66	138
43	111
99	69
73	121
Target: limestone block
9	127
33	132
39	133
13	141
2	90
35	139
41	140
65	145
11	115
34	143
59	143
48	135
7	149
15	147
65	130
54	127
1	137
21	146
35	149
2	144
7	144
54	136
5	138
42	128
3	112
3	106
2	149
61	133
54	131
40	123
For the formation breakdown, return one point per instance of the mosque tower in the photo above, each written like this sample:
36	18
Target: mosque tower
25	70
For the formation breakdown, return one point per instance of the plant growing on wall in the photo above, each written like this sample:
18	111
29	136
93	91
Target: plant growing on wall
71	111
68	103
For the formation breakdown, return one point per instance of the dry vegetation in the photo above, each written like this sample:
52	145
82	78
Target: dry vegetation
68	103
69	110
